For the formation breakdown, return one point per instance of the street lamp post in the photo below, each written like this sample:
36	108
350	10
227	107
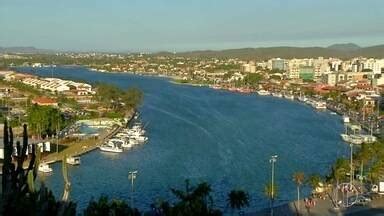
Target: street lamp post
351	164
272	161
132	177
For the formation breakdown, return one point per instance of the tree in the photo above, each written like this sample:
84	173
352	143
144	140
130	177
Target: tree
109	207
193	201
298	178
238	199
43	120
252	79
314	181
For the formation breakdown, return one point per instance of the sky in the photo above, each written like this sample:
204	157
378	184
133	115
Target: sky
183	25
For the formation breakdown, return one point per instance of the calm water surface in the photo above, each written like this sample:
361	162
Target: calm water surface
202	134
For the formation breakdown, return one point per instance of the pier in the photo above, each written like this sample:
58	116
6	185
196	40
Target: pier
78	148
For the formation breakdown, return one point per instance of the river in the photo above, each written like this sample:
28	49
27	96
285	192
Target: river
201	134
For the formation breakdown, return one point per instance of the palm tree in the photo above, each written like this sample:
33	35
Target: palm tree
314	181
339	171
298	178
238	199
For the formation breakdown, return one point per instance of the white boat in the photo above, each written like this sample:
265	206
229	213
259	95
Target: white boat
368	138
346	119
108	148
302	98
116	142
44	168
133	142
277	94
73	160
127	145
121	135
111	146
320	105
354	139
289	96
263	92
140	138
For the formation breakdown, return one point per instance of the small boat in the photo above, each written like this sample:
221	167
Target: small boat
277	94
263	92
111	147
44	168
354	139
114	149
320	105
333	113
75	160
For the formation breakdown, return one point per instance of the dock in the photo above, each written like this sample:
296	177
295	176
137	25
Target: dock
84	146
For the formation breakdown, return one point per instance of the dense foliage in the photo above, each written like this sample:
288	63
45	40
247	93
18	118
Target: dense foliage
45	120
118	99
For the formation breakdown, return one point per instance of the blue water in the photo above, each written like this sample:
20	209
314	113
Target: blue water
202	134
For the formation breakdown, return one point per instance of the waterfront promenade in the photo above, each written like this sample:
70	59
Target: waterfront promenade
326	208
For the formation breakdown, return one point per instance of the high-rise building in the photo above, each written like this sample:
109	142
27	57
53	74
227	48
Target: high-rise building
278	64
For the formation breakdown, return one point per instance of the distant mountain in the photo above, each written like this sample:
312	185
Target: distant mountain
342	51
27	50
344	47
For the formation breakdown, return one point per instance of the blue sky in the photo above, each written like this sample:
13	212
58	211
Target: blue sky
178	25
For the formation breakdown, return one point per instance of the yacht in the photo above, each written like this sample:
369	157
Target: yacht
44	168
354	139
133	141
111	147
263	92
116	142
73	160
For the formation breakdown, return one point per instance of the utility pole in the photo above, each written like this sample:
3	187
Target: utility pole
272	161
132	176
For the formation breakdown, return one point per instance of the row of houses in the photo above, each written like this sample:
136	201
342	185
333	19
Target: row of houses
50	84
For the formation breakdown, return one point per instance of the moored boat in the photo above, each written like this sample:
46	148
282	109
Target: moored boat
113	149
354	139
